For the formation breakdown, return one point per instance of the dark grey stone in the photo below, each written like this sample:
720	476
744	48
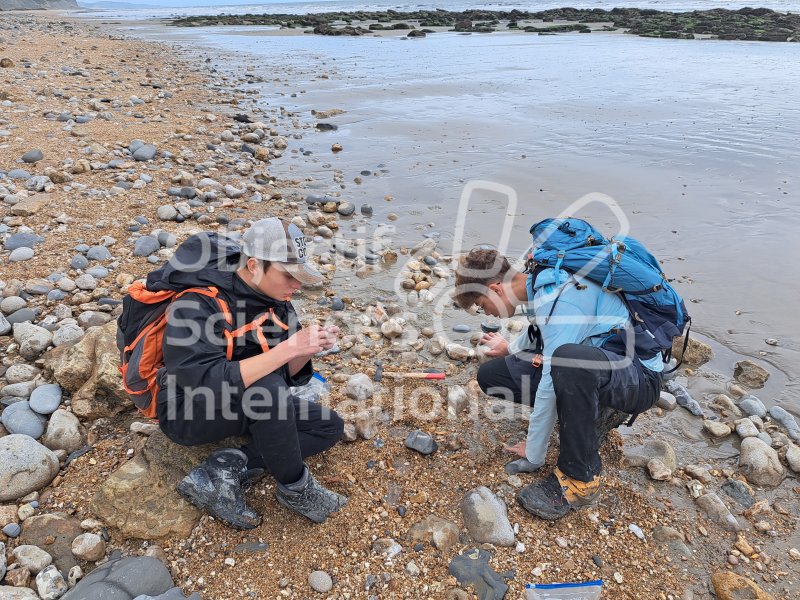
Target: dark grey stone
98	253
145	246
472	569
146	152
22	240
79	262
490	327
12	530
739	492
21	316
346	209
166	239
462	328
430	261
32	156
366	210
337	304
422	442
173	594
56	295
142	220
123	579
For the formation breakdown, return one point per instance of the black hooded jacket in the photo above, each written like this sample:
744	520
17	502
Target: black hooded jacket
194	341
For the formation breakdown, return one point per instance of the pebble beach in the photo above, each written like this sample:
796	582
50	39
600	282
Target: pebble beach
113	150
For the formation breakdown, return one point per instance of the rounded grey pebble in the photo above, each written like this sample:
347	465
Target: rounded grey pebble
56	295
366	210
12	530
46	399
98	272
337	304
320	581
98	253
32	156
145	246
19	418
430	261
346	209
79	262
490	327
21	254
462	328
322	301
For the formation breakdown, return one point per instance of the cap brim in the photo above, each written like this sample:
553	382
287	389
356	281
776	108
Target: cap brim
303	272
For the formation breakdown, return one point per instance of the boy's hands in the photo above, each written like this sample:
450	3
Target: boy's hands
312	339
496	343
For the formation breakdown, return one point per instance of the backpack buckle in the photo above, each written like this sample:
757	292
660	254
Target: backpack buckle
536	361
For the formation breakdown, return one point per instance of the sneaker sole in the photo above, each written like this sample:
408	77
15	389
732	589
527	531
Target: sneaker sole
189	495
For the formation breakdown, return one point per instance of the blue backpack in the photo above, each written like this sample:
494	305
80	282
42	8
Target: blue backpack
622	266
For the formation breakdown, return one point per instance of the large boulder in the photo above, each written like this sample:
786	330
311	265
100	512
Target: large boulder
140	499
25	466
123	579
760	463
730	586
90	371
486	518
697	352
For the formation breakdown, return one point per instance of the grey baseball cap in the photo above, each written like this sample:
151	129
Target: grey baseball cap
278	241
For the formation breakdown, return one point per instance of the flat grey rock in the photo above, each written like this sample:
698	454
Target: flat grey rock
422	442
22	240
145	246
32	156
23	315
124	579
98	253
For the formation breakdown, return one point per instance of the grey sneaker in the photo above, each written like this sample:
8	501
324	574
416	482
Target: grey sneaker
216	486
309	498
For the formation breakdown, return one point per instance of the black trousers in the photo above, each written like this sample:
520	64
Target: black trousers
584	379
284	429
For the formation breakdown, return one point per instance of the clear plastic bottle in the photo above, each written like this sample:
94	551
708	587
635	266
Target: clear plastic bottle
316	388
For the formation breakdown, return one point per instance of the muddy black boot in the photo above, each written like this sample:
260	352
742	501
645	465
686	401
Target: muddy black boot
216	487
554	497
309	498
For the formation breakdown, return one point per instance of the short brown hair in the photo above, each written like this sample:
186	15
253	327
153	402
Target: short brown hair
475	271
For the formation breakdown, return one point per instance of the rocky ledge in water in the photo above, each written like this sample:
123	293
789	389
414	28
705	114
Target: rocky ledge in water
756	24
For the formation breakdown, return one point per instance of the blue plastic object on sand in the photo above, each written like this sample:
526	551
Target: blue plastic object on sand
589	590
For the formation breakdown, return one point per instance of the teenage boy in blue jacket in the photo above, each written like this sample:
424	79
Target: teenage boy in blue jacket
569	376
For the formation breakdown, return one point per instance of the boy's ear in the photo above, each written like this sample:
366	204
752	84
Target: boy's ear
496	288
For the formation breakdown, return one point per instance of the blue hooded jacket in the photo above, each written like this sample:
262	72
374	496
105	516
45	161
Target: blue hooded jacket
583	314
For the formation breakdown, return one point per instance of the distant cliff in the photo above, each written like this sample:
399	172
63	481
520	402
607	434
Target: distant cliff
36	4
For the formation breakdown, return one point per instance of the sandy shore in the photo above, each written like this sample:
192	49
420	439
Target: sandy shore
129	90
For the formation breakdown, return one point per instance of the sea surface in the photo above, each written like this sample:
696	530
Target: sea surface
690	145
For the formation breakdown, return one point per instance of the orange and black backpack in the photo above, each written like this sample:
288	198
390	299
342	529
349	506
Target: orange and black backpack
141	326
